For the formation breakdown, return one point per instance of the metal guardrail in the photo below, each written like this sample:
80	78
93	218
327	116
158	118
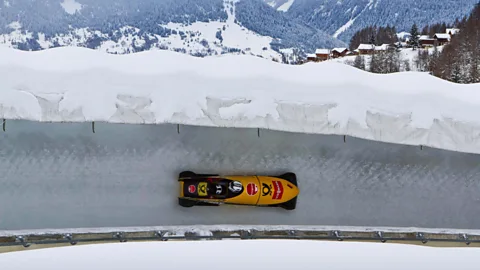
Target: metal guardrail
168	235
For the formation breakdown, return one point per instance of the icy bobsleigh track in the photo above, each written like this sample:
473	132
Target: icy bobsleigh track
68	175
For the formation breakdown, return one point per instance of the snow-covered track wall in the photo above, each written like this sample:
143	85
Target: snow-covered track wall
77	84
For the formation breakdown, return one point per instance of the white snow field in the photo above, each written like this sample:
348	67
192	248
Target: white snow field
78	84
249	254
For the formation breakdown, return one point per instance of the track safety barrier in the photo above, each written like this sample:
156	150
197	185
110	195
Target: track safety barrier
76	237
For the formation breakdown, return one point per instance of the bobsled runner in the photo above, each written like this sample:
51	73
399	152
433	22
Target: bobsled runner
255	190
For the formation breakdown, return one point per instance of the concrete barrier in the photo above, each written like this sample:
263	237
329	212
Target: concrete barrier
17	241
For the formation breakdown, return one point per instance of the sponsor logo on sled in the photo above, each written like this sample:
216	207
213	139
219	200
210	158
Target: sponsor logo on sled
191	189
266	189
277	190
252	189
202	189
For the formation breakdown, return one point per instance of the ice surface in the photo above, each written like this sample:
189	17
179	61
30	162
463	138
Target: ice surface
253	254
77	84
125	175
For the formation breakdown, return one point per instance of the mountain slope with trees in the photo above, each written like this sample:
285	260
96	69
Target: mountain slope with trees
346	17
124	26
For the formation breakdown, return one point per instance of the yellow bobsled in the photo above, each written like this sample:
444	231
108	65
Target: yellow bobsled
255	190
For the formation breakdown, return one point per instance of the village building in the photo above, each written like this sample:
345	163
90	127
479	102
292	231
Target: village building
354	52
452	31
365	49
311	57
339	52
442	39
426	41
382	48
322	54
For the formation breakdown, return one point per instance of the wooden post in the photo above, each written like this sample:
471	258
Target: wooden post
258	132
4	125
178	128
344	138
93	127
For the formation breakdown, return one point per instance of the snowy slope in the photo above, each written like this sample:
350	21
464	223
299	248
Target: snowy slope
280	5
120	26
197	38
246	254
342	18
77	84
405	55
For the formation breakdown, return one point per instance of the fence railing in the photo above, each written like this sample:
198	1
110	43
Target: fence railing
381	236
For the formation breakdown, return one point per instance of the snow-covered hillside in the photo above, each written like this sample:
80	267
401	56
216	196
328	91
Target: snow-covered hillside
343	18
197	38
211	27
280	5
408	59
76	84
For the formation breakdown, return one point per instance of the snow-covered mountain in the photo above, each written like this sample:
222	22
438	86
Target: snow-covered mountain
274	29
342	18
199	27
280	5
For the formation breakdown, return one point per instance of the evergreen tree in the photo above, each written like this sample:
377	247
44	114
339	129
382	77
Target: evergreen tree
459	61
372	38
414	37
359	62
406	65
456	75
433	58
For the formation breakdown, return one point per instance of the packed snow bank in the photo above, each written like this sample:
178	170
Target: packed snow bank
77	84
254	254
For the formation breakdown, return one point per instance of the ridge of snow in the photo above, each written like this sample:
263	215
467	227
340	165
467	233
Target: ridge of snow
285	7
71	6
78	84
350	22
15	25
344	27
272	3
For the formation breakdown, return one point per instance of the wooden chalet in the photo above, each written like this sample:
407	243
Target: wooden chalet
382	48
426	41
442	39
366	49
311	57
322	54
339	52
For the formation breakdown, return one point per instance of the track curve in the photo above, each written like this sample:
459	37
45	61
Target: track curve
59	175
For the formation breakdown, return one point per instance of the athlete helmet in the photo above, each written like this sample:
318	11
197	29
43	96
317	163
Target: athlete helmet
235	186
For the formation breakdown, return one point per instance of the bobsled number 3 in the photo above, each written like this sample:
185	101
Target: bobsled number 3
212	189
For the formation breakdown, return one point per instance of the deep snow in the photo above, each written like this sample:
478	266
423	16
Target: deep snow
77	84
253	254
